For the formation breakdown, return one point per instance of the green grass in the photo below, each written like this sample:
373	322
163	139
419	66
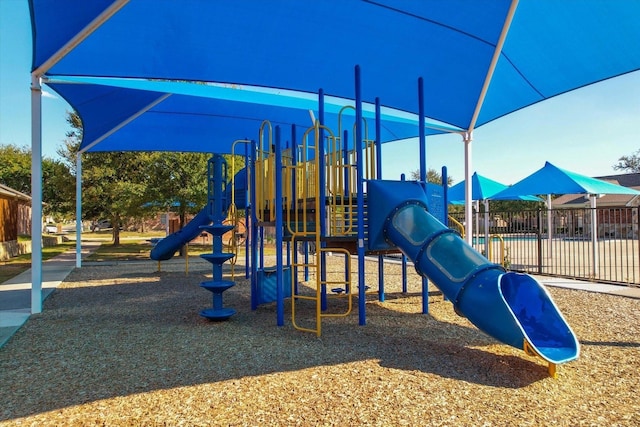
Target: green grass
17	265
137	248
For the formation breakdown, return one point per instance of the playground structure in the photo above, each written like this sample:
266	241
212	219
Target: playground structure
311	191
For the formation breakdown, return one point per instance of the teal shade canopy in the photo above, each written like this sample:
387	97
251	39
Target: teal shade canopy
551	179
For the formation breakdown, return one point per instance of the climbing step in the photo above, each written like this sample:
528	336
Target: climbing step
217	285
217	313
217	258
217	229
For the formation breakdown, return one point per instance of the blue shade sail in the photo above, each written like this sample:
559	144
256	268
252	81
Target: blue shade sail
122	115
482	188
551	179
550	47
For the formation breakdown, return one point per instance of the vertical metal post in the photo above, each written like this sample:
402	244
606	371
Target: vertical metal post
421	132
293	206
362	315
78	210
321	204
468	214
549	229
404	257
594	235
347	192
445	192
423	175
378	152
345	160
36	195
487	240
445	202
247	164
286	207
278	210
539	238
254	228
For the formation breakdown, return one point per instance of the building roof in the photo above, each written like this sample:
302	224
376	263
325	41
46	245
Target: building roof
14	194
630	180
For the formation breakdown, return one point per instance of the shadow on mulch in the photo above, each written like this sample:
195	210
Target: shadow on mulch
142	332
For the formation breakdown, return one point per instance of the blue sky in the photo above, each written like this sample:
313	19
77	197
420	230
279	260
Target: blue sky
584	131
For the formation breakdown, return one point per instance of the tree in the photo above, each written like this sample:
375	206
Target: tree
121	186
58	182
629	163
15	168
180	180
433	176
115	184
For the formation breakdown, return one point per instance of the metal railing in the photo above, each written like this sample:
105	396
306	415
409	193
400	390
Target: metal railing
599	244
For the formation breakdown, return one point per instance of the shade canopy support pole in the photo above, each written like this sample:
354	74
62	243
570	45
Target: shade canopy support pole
594	234
78	210
549	228
36	195
358	144
468	197
36	147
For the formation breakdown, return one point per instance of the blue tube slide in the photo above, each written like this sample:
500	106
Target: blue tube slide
511	307
167	247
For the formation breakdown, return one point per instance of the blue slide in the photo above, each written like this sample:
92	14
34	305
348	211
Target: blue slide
511	307
167	247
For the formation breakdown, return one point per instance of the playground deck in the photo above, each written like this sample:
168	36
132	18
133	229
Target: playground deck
125	345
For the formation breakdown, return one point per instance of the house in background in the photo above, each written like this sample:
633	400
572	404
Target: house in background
15	220
617	214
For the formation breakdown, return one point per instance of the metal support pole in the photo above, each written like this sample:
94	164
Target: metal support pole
468	197
549	228
78	210
253	230
247	163
379	176
594	235
404	257
362	315
321	203
279	273
423	175
445	202
36	195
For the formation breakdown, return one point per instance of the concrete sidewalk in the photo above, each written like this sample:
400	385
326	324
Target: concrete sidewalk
583	285
15	293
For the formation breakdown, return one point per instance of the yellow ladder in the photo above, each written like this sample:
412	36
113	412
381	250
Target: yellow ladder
307	186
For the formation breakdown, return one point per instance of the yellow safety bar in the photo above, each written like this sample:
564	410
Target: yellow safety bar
489	246
457	225
347	282
265	174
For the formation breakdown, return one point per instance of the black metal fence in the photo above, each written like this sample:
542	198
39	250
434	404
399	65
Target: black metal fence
599	244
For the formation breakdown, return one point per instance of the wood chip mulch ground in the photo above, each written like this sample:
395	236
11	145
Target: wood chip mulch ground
124	344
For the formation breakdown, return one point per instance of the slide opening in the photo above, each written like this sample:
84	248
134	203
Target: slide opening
544	326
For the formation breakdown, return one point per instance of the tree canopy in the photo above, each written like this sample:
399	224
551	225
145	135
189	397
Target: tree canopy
58	181
433	176
630	163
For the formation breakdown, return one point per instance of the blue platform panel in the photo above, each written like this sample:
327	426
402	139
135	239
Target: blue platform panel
266	282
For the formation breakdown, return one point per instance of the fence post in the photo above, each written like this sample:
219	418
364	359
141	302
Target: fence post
539	236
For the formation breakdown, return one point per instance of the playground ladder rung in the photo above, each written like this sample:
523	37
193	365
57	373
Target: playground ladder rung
305	297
